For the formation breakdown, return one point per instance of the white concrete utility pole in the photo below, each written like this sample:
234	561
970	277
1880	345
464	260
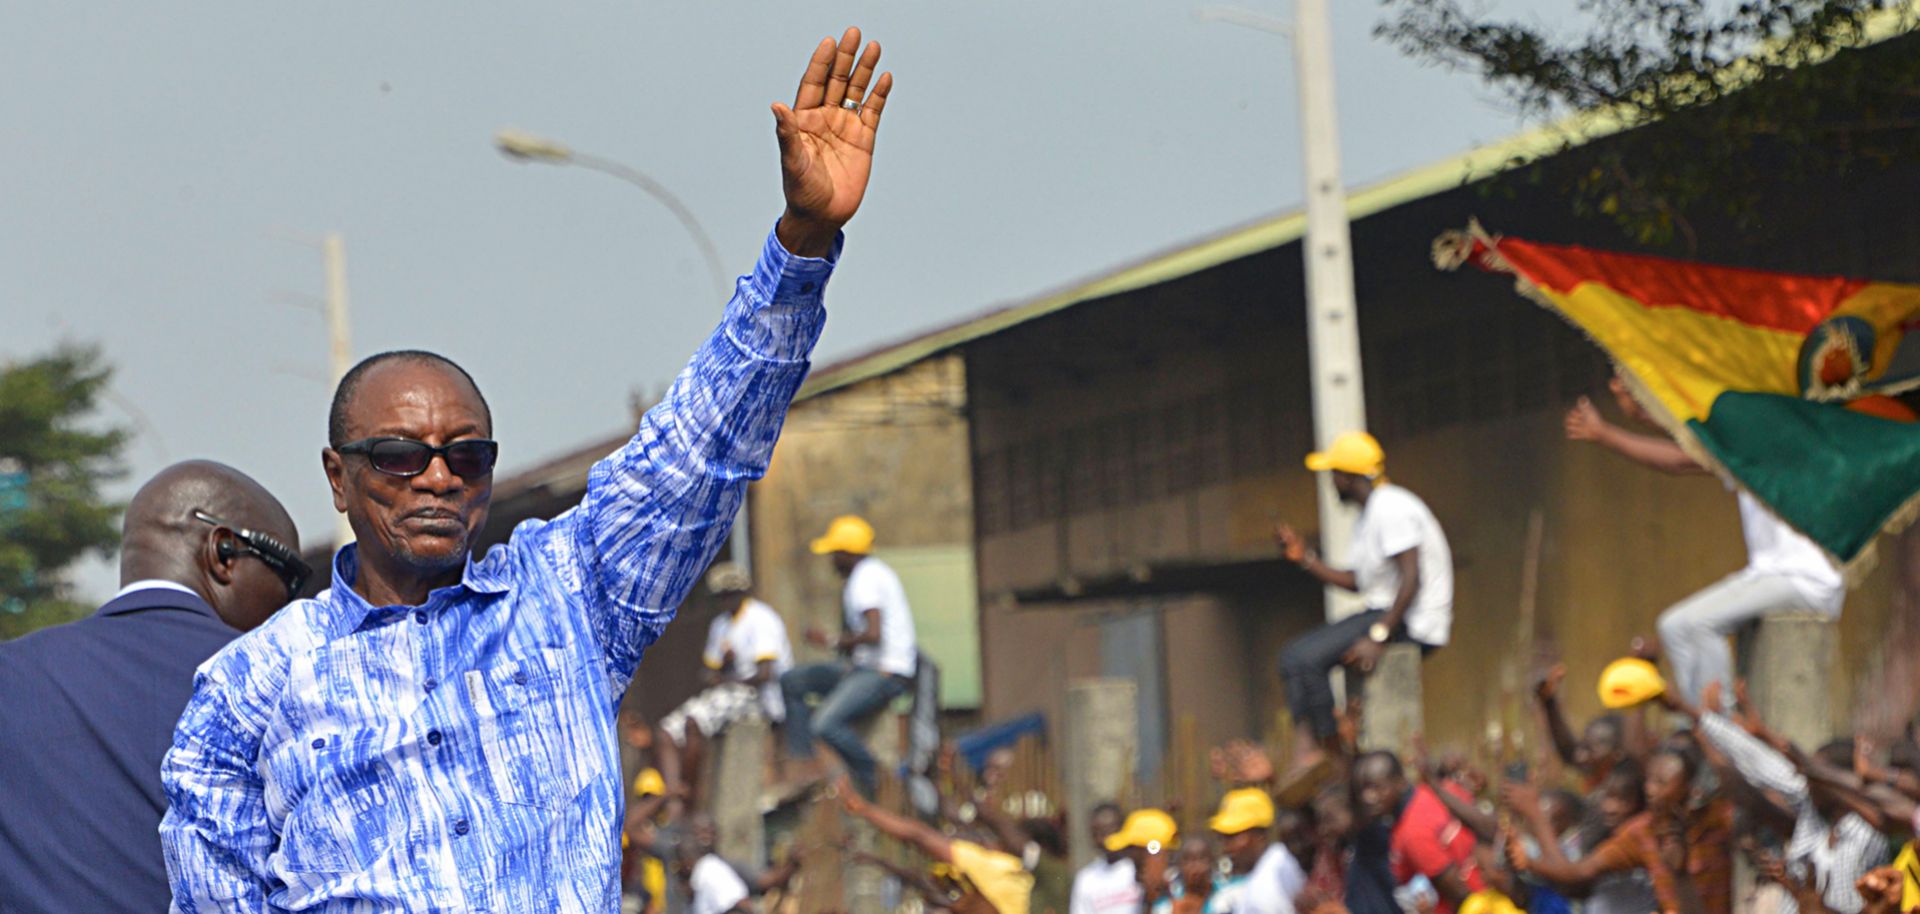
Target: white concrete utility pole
1333	331
339	340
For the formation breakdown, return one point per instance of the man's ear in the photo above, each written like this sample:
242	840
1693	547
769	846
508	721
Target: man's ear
336	470
219	555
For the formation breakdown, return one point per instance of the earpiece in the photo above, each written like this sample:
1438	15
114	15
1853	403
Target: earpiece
226	550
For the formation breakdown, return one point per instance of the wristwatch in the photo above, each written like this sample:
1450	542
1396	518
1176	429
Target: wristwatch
1378	632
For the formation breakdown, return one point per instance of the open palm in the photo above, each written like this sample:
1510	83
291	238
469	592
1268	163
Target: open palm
826	137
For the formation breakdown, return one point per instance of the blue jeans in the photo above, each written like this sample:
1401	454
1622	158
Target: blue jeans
848	695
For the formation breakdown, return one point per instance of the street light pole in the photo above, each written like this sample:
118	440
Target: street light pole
521	146
1333	331
525	147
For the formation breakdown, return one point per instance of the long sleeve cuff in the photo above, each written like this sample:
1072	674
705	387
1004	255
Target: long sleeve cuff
777	312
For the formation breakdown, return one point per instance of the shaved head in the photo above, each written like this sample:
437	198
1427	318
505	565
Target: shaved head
161	539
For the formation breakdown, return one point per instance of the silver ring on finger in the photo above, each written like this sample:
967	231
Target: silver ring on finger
851	104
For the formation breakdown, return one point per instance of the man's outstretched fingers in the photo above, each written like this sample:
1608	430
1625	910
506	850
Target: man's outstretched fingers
843	58
863	72
870	112
813	83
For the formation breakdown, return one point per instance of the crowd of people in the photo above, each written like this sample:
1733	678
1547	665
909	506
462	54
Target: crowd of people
1648	810
437	730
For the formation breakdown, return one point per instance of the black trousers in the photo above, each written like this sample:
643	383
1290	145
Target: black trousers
1306	661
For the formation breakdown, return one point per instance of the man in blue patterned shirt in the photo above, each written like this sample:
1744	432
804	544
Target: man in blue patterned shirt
437	734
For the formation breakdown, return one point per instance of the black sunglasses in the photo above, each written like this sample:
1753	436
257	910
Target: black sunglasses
284	561
467	458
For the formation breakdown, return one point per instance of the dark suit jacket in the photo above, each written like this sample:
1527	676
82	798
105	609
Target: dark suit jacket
86	712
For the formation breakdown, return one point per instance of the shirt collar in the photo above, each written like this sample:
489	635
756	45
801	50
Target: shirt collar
154	593
153	584
350	609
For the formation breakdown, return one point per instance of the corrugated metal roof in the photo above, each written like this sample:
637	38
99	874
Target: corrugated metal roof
1267	234
1227	246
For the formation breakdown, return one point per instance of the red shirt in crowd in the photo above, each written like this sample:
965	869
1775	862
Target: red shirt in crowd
1427	839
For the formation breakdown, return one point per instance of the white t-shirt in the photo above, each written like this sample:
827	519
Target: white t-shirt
1775	548
1273	884
752	633
1393	521
1269	888
717	889
1105	888
873	585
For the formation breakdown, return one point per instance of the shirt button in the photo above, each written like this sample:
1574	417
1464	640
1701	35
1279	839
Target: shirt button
433	737
429	684
520	678
320	742
420	616
460	827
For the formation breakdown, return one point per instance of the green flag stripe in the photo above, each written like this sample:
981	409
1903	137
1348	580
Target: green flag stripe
1834	474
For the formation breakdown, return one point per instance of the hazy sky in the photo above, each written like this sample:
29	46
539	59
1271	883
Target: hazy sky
158	157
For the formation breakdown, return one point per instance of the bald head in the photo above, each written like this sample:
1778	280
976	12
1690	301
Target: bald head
162	540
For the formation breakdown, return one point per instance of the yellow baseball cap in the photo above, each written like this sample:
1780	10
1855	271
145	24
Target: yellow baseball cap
1629	681
1152	829
1488	901
650	783
1351	452
1242	810
846	534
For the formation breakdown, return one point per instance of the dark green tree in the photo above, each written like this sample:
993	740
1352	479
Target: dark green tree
53	462
1750	95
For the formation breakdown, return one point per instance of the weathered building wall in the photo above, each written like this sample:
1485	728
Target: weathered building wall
892	449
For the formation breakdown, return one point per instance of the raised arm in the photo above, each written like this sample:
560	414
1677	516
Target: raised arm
927	841
1584	423
1756	761
1741	790
1296	551
1553	720
1523	800
658	509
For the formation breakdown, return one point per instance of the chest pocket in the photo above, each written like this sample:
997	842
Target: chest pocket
537	743
349	816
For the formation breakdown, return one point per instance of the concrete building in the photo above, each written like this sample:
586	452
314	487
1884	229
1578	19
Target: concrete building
1083	484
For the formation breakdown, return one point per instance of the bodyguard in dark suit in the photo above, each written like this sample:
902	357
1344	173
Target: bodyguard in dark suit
87	709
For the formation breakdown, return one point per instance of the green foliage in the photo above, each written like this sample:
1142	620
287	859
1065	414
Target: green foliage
51	469
1751	95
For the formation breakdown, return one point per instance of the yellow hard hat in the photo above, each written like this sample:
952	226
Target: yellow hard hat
846	534
1488	901
650	783
1350	452
1242	810
1629	681
1152	829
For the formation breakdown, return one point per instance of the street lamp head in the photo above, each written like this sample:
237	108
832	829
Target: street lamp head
525	147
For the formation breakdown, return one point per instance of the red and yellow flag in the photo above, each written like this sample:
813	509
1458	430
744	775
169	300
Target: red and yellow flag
1778	382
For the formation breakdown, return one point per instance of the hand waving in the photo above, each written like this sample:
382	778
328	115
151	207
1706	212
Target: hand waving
1584	422
826	141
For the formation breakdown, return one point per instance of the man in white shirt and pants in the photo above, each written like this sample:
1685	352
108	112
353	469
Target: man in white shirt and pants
879	655
1403	571
1785	571
747	652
